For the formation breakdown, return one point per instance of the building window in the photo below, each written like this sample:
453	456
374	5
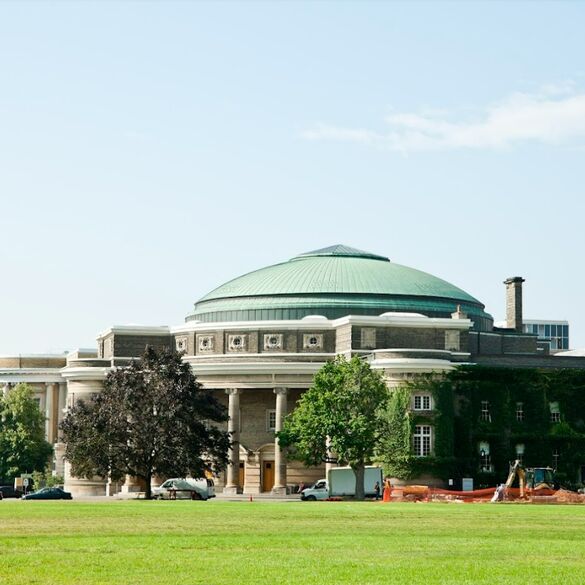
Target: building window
368	338
237	342
422	402
271	420
422	441
519	411
273	341
520	451
556	456
555	412
485	411
452	340
485	460
313	341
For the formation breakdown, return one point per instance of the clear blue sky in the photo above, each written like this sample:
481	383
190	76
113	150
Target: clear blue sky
151	151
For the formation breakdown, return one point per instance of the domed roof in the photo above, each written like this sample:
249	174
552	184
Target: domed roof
334	282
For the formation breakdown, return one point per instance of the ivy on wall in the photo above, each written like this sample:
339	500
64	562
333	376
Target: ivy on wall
458	426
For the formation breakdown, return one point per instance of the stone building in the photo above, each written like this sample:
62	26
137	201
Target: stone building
258	340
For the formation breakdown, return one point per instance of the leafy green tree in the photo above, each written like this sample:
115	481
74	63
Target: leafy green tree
46	478
342	413
152	418
23	448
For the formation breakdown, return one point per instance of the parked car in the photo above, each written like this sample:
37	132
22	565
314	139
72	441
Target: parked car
48	493
185	489
7	491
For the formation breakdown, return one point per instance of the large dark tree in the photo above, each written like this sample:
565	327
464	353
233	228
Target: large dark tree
152	418
342	413
23	447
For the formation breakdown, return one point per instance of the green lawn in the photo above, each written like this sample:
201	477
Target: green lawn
215	542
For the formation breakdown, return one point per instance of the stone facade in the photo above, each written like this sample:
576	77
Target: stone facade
259	369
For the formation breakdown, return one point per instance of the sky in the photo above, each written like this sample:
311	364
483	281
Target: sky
151	151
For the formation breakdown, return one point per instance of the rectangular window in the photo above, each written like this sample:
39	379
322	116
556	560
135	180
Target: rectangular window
485	461
422	402
422	441
520	451
520	411
271	420
485	411
556	458
555	412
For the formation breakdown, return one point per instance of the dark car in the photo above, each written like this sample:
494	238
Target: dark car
48	493
7	491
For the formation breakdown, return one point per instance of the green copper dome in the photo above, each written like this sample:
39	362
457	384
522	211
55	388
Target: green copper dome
334	282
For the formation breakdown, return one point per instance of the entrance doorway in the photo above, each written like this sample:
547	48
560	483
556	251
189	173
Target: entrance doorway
267	476
242	474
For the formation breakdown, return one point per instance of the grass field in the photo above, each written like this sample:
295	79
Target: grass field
320	543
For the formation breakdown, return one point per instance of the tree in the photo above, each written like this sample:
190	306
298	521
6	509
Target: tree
152	418
23	448
342	413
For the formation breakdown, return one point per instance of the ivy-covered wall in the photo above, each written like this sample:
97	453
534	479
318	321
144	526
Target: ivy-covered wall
458	428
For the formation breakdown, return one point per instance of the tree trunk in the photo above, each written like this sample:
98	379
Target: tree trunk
359	471
148	487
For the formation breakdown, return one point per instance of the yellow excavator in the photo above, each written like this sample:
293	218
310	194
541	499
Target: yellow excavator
531	479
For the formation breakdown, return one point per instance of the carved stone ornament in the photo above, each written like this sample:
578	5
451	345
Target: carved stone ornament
273	341
452	340
237	342
206	343
368	338
181	343
313	341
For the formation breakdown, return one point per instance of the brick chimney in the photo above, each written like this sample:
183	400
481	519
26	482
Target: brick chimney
514	303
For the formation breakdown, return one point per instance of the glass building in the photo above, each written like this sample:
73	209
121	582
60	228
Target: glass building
554	332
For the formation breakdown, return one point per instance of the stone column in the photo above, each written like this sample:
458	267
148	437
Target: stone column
279	455
233	470
59	445
61	408
49	423
86	384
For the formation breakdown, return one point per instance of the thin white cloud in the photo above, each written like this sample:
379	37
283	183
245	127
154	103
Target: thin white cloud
554	115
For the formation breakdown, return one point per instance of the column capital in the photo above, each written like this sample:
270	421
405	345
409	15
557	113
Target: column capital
281	390
233	391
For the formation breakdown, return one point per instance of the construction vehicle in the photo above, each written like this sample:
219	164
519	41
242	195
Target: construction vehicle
531	479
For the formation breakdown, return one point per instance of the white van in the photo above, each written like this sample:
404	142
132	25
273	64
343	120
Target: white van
318	491
186	488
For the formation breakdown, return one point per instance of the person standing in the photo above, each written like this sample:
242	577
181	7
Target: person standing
387	490
377	490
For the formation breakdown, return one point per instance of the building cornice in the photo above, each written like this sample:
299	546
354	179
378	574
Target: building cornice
32	375
85	373
135	330
322	323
